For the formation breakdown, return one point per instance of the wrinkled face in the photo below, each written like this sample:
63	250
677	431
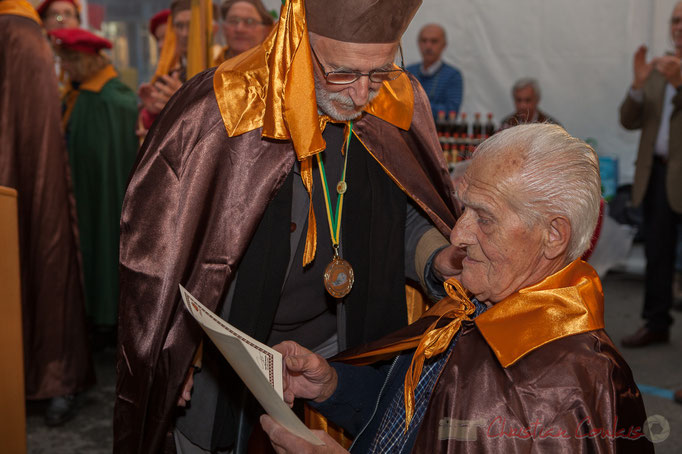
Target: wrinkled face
160	35
345	102
431	44
243	27
676	28
181	27
503	254
526	102
61	15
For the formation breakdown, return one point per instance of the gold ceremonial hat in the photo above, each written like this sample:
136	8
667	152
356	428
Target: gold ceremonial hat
360	21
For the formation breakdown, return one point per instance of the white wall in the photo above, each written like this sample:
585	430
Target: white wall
579	50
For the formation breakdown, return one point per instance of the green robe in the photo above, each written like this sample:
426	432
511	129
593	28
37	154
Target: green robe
102	147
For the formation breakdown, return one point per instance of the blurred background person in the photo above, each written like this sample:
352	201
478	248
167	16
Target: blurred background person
172	69
246	23
653	104
60	14
443	83
526	96
99	121
33	160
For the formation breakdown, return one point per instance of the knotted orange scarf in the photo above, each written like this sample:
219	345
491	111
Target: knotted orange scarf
436	340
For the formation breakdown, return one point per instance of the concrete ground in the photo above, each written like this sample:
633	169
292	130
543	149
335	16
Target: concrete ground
658	371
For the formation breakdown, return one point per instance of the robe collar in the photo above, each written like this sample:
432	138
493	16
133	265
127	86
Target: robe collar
568	302
96	82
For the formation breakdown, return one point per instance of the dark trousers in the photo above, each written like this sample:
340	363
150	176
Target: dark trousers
660	239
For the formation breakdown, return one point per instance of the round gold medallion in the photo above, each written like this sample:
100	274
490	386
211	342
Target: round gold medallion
338	278
341	187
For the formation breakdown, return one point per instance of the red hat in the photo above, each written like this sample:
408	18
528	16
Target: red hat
157	19
79	39
42	8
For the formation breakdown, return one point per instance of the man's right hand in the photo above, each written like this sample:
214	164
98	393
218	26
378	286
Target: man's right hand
306	374
642	69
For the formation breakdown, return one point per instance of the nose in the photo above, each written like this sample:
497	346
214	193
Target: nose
359	92
462	233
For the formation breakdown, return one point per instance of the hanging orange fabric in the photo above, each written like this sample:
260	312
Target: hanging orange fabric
436	340
200	37
19	8
169	58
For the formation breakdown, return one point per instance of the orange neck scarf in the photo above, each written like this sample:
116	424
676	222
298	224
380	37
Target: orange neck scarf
19	8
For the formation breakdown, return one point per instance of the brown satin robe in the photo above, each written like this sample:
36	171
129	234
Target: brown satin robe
33	160
569	393
192	205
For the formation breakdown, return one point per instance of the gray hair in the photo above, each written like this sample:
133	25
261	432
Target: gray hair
526	82
558	175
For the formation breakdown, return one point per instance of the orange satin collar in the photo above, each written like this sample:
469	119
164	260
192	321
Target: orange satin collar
19	8
570	301
272	86
95	83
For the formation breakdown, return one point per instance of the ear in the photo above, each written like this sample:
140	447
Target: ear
557	237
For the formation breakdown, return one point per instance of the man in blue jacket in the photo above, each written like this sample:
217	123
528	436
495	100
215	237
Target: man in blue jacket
442	82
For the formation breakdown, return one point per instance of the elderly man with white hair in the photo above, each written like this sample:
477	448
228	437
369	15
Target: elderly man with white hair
520	362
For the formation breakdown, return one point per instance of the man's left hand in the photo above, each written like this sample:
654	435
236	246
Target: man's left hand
448	262
285	442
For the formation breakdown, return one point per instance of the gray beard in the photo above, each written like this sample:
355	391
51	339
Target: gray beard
326	100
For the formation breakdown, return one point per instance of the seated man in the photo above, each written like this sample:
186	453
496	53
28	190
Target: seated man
526	96
526	365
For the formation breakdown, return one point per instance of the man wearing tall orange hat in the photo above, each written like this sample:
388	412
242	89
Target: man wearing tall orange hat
33	160
99	123
525	365
60	14
293	190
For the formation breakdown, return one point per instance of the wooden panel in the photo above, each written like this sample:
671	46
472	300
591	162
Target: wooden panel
12	403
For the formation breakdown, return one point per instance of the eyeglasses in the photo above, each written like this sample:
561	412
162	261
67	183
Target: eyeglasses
348	77
61	17
249	22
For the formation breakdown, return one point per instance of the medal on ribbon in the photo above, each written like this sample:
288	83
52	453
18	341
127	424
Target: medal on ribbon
338	276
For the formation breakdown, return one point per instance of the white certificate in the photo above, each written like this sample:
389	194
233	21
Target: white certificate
259	366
